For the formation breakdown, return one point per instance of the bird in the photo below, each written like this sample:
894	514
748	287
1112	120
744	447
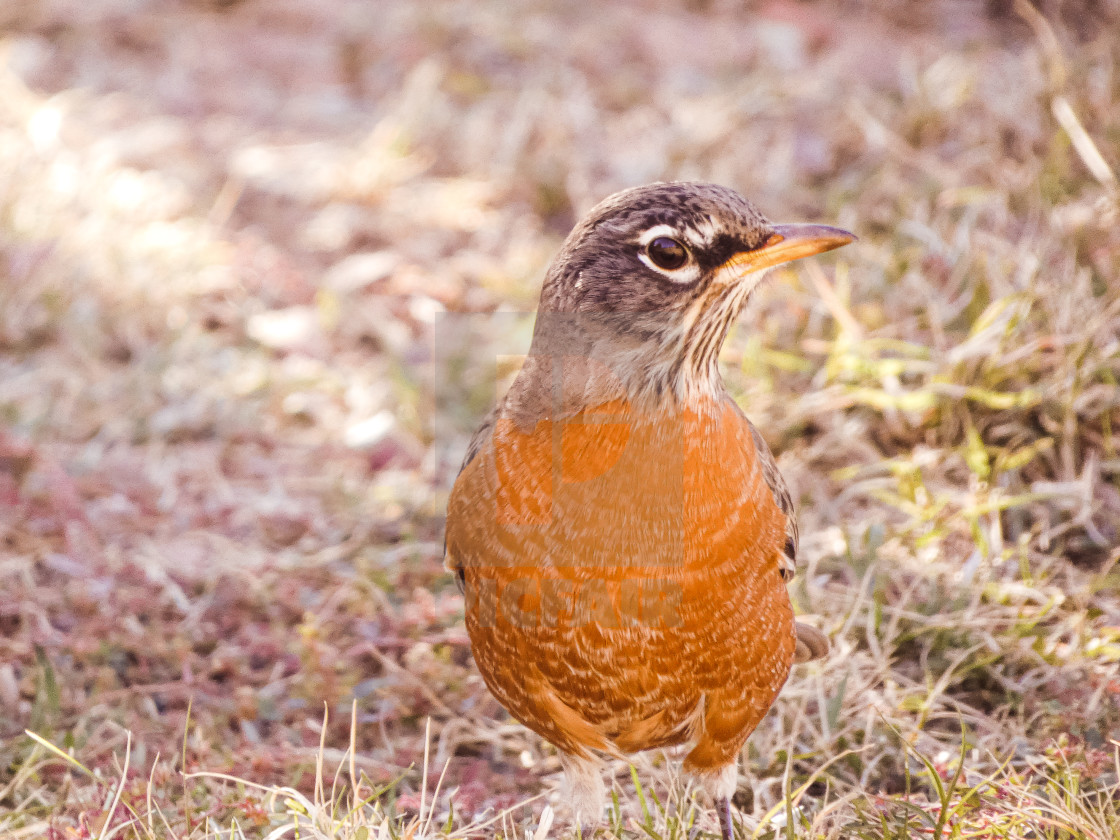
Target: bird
619	528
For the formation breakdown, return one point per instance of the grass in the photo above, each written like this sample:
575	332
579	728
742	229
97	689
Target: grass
225	448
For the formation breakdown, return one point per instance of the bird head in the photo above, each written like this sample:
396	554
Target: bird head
649	282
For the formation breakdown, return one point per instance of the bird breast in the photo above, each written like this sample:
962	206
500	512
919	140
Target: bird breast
622	567
616	493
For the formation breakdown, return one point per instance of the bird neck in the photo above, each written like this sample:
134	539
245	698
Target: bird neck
557	387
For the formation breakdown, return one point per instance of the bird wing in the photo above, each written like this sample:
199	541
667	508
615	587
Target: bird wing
773	477
811	642
478	441
480	436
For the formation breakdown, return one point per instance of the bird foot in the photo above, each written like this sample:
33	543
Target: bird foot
723	809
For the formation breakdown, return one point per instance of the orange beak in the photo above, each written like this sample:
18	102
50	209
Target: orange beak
788	243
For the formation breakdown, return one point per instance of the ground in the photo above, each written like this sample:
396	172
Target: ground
261	265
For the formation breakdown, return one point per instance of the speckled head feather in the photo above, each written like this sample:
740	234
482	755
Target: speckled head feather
649	282
599	266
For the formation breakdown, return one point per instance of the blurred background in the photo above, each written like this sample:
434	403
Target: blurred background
261	265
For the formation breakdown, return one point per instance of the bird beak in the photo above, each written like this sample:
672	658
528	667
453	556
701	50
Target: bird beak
788	243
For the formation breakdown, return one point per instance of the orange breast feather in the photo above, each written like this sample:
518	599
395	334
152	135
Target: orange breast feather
622	578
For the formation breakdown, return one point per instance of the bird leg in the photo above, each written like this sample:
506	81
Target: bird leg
585	791
723	809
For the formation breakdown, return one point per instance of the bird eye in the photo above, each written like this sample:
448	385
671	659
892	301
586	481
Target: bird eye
667	253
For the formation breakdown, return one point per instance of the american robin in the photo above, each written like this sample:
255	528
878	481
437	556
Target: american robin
619	527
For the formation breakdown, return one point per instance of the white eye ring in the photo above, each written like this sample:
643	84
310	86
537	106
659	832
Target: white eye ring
688	272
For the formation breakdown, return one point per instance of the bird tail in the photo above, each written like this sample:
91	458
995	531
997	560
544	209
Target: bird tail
811	643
